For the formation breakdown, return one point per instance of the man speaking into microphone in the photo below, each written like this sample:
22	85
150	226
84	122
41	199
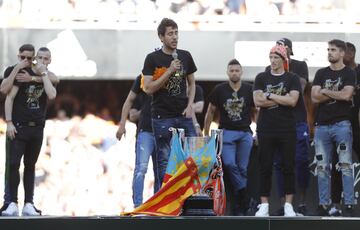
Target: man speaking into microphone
167	74
175	57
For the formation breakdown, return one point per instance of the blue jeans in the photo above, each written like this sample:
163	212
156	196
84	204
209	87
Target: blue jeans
163	138
235	156
302	171
326	136
145	147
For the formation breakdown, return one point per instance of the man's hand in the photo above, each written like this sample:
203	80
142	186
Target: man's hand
198	130
23	77
23	64
188	112
175	65
10	130
323	91
121	131
40	68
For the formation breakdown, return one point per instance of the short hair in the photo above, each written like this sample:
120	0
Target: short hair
350	46
234	62
166	22
44	49
27	47
338	43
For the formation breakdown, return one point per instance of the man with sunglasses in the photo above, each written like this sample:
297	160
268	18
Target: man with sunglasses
25	109
20	73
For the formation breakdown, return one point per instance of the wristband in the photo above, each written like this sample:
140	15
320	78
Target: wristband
268	96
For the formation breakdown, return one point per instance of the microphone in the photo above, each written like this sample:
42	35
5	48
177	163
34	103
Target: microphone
175	57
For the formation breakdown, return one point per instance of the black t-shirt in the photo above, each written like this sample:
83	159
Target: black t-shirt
30	101
143	103
234	107
136	86
299	109
333	111
356	98
278	118
299	68
171	100
199	94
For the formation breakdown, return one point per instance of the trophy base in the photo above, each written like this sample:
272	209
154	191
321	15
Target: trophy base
198	205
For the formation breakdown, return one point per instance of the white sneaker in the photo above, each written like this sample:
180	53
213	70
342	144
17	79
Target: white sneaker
289	210
11	210
263	210
30	210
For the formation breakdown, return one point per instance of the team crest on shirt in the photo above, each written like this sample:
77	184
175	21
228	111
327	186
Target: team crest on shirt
278	89
33	93
173	85
234	107
333	85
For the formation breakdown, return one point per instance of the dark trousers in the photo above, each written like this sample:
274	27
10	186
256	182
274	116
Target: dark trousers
27	143
284	144
302	172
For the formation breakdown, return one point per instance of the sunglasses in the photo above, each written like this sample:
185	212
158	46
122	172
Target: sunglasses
28	58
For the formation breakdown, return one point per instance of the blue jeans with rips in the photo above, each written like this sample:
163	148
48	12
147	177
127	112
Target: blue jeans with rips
163	137
327	137
145	147
235	156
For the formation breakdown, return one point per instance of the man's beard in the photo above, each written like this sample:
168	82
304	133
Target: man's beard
235	81
332	61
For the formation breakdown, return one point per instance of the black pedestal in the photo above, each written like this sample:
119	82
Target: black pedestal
198	205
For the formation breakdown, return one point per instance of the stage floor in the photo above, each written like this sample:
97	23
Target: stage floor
186	223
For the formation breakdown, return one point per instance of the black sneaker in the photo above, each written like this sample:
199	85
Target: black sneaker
348	211
302	210
322	211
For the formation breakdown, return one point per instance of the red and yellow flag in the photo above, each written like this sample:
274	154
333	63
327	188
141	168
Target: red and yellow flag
187	172
168	201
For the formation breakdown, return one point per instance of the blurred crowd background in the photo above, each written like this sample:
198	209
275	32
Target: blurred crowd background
17	12
82	169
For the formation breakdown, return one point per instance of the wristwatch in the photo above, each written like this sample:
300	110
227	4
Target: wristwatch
268	95
33	79
44	73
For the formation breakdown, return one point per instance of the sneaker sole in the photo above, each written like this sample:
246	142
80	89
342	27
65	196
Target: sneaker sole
27	214
13	214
